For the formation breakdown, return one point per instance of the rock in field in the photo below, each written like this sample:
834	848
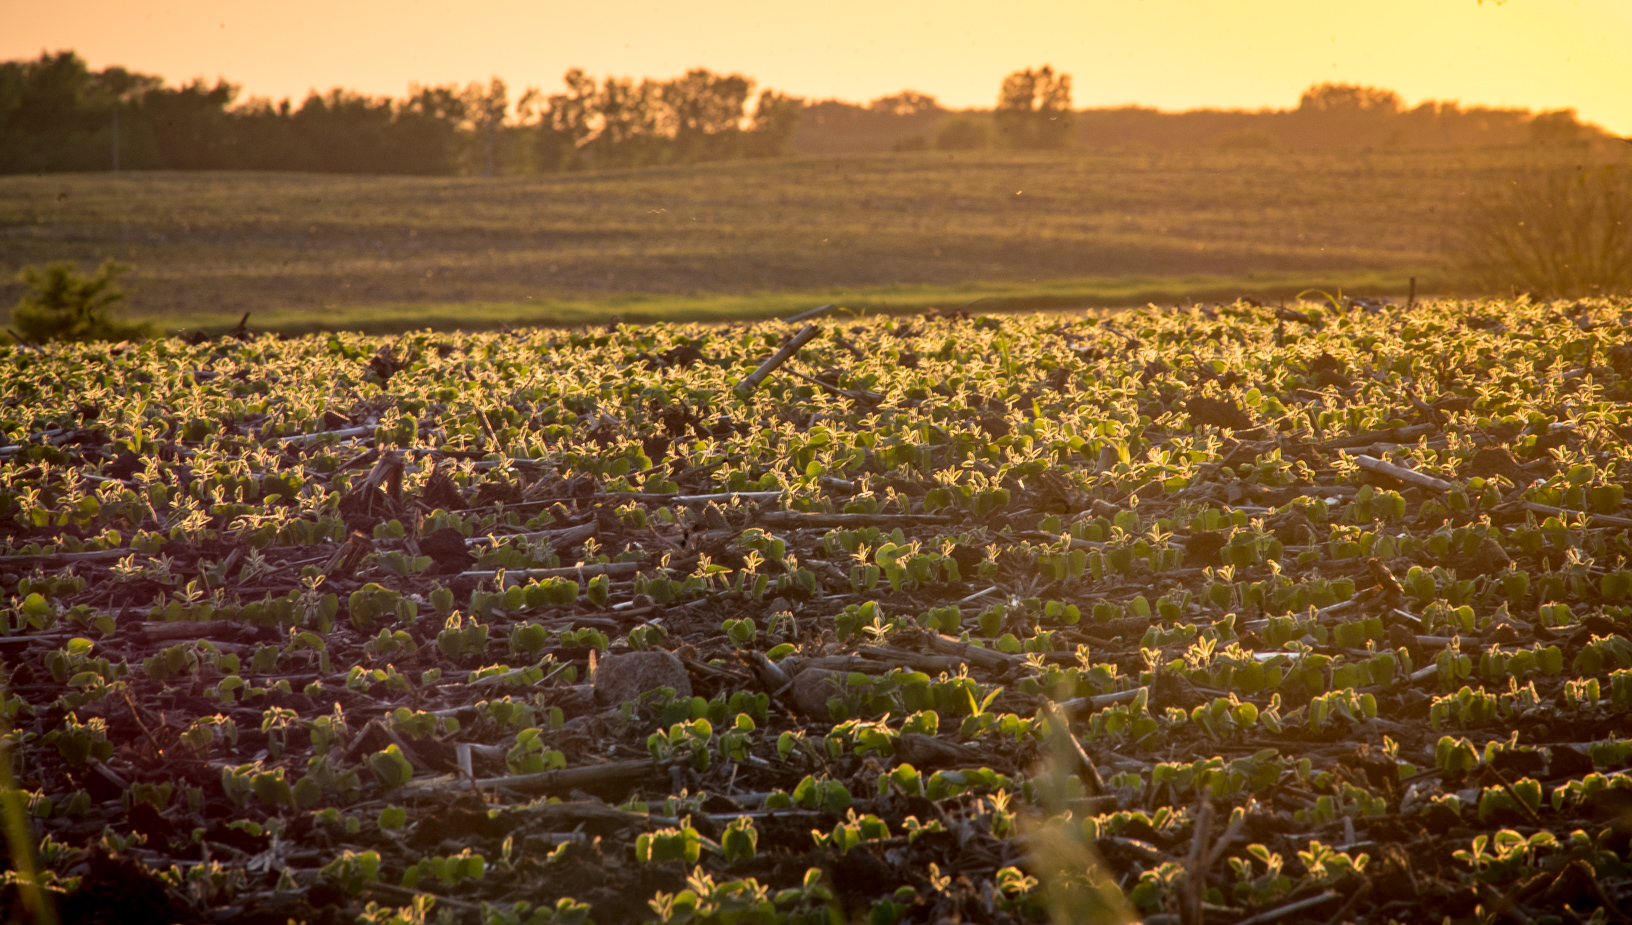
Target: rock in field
627	676
813	686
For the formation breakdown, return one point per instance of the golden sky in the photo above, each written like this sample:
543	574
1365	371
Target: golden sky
1173	54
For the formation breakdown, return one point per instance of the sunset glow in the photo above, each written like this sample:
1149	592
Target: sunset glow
1172	54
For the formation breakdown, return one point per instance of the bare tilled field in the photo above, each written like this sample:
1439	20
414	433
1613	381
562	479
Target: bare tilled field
1224	615
224	243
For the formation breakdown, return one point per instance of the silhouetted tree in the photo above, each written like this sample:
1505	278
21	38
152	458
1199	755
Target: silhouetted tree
1034	109
486	108
1558	127
905	103
706	111
48	116
115	88
426	131
344	132
1349	98
1350	112
568	122
774	125
628	133
180	128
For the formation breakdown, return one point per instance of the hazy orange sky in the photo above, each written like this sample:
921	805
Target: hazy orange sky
1173	54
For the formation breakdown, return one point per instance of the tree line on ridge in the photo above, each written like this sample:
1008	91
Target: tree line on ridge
59	114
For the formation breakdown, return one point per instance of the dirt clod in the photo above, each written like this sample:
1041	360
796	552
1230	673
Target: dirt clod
447	548
1495	460
441	492
1216	412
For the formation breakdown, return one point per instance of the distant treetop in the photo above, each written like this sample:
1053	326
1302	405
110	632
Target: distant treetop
1034	109
905	103
1348	98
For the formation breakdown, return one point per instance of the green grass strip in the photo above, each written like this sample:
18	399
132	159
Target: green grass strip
1064	294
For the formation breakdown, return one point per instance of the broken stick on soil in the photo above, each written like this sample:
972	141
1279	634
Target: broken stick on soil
1408	476
807	314
781	356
